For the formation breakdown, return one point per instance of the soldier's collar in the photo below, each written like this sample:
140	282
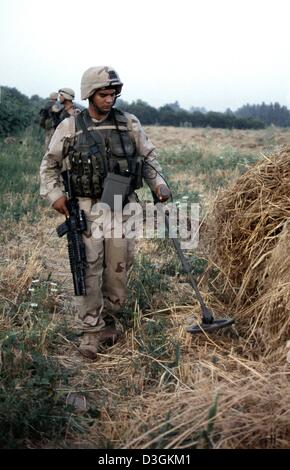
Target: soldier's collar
100	120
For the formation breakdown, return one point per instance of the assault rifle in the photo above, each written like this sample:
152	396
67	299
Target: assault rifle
73	228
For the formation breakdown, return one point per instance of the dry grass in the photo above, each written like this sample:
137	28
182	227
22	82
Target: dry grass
214	139
215	398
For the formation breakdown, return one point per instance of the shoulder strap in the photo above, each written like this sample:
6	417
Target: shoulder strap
120	135
123	118
94	148
83	119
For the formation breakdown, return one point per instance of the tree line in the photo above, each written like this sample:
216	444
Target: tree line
272	113
256	116
173	115
17	112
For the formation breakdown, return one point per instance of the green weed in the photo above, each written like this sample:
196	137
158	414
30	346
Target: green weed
32	407
19	176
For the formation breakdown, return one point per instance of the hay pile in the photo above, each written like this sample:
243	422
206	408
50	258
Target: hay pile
249	238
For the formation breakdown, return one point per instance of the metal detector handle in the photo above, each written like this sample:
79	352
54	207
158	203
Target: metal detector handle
207	317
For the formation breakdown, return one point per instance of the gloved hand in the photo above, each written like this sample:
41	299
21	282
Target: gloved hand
163	192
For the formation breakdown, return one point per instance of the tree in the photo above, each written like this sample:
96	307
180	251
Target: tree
174	106
267	113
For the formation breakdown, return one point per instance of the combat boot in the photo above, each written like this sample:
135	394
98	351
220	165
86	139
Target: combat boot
90	345
108	335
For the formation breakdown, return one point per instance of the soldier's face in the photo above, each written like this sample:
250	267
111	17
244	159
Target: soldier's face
103	100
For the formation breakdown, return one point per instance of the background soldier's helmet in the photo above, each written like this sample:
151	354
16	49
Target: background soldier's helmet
53	96
67	93
96	78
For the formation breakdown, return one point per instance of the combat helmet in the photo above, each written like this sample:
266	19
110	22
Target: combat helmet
67	93
96	78
53	96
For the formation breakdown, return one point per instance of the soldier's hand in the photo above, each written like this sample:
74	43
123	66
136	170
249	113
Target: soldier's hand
60	206
163	192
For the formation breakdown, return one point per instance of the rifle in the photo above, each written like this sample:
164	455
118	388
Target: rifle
73	228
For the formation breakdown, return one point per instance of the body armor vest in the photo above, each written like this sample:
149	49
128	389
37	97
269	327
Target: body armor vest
49	119
101	148
65	114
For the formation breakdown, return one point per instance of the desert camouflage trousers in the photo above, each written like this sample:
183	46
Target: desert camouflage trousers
108	262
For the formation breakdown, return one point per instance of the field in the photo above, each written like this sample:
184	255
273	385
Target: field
159	387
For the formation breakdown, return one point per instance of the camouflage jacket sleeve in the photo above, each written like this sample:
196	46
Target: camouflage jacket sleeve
146	149
51	187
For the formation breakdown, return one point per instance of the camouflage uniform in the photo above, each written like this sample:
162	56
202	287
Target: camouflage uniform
49	118
70	109
108	259
73	110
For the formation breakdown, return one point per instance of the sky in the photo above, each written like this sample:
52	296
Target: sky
216	54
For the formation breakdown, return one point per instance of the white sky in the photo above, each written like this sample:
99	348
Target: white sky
211	53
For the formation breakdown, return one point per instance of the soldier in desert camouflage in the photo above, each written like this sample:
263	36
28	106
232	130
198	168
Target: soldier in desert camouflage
49	117
69	108
110	258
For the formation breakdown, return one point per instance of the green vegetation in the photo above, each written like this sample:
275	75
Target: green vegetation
147	283
17	111
255	116
32	404
169	115
272	113
203	162
217	168
19	176
159	354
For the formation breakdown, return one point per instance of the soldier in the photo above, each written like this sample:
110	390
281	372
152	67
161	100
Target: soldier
49	117
122	141
66	96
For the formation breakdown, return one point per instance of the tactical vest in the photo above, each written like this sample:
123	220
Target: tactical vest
48	118
65	114
101	148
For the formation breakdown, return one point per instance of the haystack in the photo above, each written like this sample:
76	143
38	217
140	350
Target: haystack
249	241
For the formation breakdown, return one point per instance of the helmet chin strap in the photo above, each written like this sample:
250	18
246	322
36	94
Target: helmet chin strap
116	97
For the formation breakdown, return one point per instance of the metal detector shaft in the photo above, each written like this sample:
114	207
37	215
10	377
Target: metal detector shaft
208	323
207	316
